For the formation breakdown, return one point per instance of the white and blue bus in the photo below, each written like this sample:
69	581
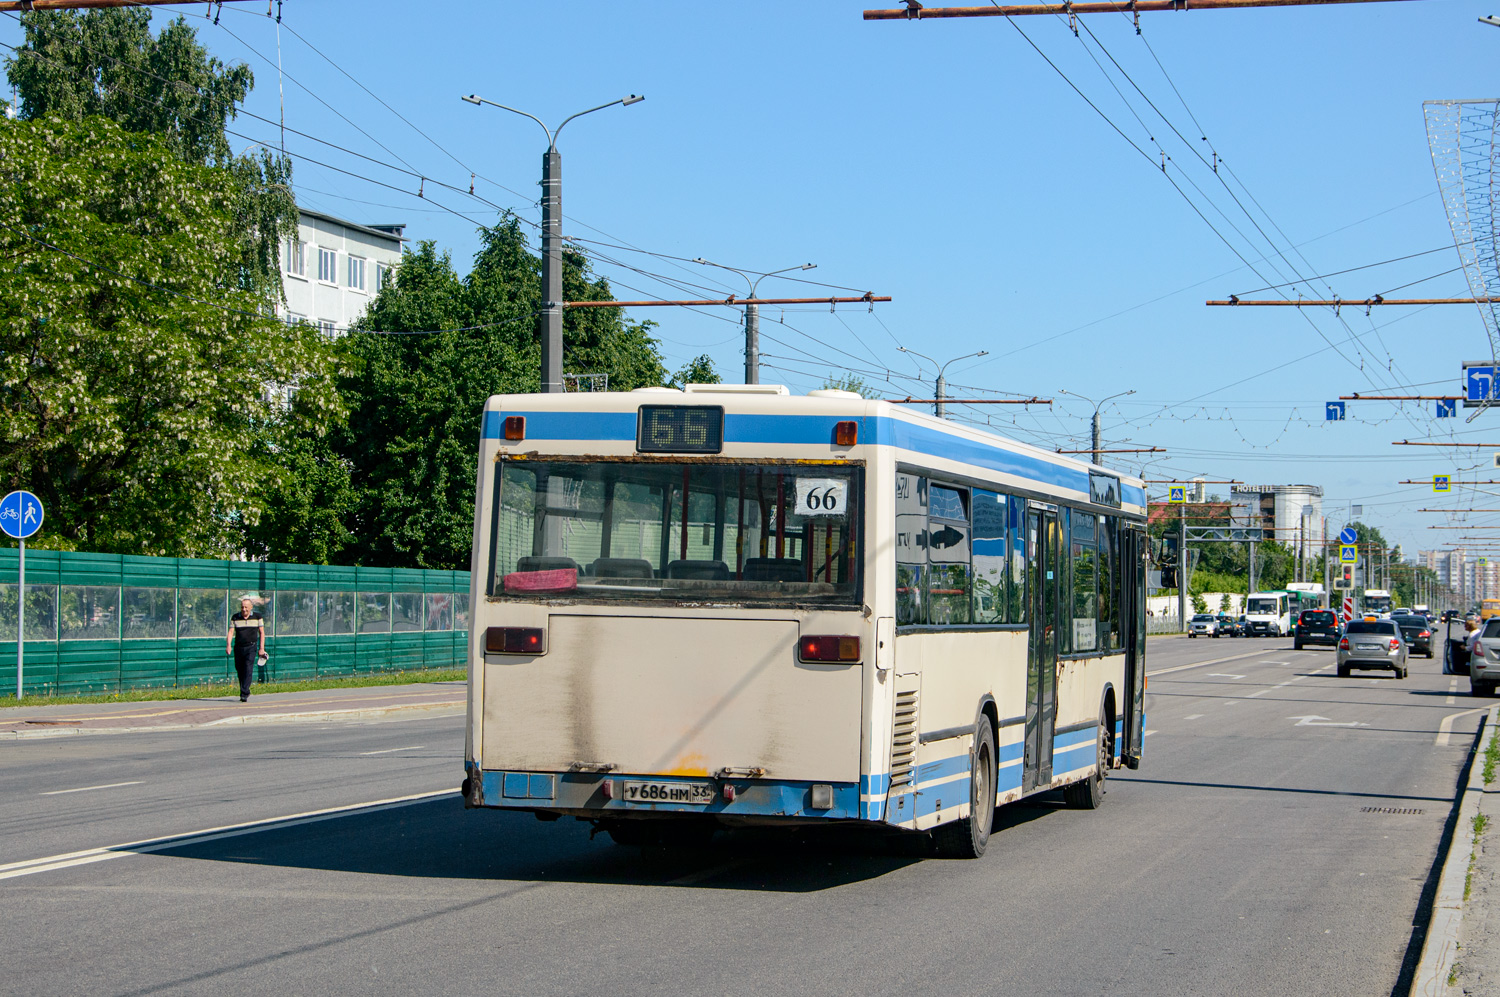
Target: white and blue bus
729	605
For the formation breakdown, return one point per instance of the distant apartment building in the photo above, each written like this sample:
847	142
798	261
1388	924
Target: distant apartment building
334	268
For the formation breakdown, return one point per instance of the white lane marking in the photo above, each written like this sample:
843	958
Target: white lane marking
1260	692
1203	664
88	856
1452	688
1148	733
1223	675
1195	716
85	789
1445	729
387	751
1316	721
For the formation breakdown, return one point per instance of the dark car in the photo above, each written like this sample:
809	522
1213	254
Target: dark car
1317	626
1416	631
1226	625
1450	615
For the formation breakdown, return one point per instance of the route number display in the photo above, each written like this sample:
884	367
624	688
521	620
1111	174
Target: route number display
822	496
680	429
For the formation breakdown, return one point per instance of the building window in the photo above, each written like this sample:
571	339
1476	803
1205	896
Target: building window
357	273
382	276
327	328
292	318
328	265
295	253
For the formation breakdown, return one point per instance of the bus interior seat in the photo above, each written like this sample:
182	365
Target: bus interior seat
545	562
621	567
773	569
713	571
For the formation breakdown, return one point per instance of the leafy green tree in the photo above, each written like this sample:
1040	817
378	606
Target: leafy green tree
133	367
415	400
851	382
304	503
699	370
106	63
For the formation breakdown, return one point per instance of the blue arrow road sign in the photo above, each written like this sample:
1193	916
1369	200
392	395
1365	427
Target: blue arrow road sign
1447	408
20	515
1348	535
1479	382
1334	412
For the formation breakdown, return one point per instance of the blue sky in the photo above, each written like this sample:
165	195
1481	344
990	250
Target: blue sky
947	164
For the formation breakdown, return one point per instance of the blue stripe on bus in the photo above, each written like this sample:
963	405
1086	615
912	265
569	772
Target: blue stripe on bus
815	430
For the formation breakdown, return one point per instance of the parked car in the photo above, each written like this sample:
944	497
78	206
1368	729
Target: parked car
1317	626
1376	643
1484	669
1204	625
1416	631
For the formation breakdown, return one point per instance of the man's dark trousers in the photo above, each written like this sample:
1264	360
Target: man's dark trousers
244	662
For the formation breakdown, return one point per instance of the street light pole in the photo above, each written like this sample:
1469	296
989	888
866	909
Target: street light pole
552	271
1097	447
940	406
752	314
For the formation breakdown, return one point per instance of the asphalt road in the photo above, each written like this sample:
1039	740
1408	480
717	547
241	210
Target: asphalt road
1278	839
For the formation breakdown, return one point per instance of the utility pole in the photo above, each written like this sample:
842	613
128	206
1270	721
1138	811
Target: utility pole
940	406
1182	568
552	275
752	313
1097	448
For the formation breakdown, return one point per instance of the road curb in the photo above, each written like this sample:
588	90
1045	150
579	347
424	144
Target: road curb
373	713
1440	950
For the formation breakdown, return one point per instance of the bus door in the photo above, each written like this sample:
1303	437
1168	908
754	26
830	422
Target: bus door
1133	618
1044	543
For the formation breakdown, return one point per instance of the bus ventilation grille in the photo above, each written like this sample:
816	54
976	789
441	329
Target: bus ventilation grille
904	744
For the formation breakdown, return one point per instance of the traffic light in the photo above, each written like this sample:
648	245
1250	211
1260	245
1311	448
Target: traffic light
1346	576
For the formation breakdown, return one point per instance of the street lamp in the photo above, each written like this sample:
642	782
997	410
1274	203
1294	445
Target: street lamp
940	408
552	293
752	314
1097	407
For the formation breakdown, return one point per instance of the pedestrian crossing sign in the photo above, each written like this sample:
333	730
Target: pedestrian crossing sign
1348	554
1440	482
1177	494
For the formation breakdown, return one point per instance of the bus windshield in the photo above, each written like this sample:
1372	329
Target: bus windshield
1263	607
687	532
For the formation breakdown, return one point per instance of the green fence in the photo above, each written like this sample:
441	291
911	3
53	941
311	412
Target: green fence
108	622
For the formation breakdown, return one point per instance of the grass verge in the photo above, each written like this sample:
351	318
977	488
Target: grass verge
1491	759
259	689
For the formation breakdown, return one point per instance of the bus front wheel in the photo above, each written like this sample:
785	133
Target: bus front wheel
967	838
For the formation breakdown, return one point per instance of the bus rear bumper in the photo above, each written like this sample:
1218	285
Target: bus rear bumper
589	794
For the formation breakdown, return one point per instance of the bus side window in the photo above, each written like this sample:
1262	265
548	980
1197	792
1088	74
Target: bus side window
911	551
991	567
948	588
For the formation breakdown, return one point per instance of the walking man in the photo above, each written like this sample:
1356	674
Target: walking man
246	640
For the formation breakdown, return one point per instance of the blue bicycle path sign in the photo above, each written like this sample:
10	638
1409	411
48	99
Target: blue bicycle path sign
20	514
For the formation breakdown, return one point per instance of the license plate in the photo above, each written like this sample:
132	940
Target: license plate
1370	647
697	793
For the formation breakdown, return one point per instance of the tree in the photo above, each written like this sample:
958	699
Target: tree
106	63
415	400
133	366
851	382
699	370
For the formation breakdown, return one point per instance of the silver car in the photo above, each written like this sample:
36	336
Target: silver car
1204	625
1374	643
1484	669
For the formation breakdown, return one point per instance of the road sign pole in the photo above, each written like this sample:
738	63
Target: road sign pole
21	622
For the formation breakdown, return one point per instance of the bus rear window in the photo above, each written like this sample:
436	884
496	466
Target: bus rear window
689	532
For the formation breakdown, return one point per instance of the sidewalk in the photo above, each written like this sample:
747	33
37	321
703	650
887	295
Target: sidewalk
434	698
1462	952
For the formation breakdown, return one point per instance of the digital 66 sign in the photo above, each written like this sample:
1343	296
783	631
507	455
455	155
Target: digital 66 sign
680	429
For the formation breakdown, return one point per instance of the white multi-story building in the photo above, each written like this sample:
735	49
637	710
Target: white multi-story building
333	269
1288	513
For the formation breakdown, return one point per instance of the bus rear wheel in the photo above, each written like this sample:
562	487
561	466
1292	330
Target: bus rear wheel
1089	794
967	838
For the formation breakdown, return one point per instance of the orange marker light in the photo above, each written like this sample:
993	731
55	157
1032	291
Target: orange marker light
515	427
846	434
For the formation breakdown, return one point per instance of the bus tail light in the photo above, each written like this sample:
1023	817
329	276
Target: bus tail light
826	647
515	640
846	434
